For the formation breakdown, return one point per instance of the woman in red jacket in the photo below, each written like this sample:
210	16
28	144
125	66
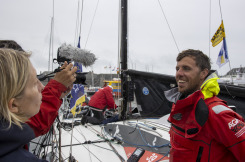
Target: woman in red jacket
20	100
52	93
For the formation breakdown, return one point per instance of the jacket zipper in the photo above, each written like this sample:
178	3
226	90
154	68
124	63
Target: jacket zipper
199	155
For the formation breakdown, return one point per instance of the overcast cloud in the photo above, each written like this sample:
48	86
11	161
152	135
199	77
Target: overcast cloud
151	46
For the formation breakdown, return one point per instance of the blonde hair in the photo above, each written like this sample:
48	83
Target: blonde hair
14	68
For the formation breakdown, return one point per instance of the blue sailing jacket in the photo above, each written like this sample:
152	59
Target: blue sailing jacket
12	143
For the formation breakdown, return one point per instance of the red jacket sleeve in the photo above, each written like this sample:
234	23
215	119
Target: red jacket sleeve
109	98
50	105
231	131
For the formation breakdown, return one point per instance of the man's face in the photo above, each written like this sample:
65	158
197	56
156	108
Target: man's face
188	76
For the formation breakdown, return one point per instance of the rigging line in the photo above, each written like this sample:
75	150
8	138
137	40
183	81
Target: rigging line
108	141
229	92
59	140
77	23
158	125
118	40
81	20
85	143
37	143
52	44
91	23
85	148
222	21
137	126
56	142
100	135
163	156
95	130
149	128
50	137
135	144
209	40
71	134
105	133
220	11
80	132
138	145
43	140
168	25
53	8
102	147
115	151
113	148
152	146
118	52
147	144
84	136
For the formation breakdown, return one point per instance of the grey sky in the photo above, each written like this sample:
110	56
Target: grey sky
151	46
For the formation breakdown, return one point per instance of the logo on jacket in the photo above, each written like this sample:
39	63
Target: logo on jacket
237	126
145	91
177	116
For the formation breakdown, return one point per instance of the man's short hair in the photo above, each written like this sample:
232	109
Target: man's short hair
10	44
202	60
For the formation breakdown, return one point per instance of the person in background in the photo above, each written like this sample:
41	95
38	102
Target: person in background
99	102
10	44
52	94
203	127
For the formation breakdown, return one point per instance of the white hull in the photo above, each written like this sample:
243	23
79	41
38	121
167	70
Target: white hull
102	151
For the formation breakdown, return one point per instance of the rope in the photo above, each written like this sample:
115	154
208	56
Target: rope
168	26
147	145
81	20
109	143
209	40
77	24
86	148
80	132
220	10
91	23
229	92
163	156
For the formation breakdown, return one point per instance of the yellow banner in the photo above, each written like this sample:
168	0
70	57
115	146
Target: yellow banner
219	35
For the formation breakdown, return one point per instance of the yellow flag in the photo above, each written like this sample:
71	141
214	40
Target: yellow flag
79	101
219	35
73	110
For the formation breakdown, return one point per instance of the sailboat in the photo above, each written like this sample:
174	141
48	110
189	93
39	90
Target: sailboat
120	140
72	141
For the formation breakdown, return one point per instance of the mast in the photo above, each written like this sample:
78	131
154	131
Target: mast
123	53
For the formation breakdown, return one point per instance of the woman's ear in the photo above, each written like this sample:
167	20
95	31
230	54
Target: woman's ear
12	105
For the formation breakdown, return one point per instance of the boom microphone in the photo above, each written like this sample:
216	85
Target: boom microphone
70	53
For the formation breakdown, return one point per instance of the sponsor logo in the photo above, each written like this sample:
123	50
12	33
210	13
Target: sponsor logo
145	91
233	123
237	127
177	116
151	158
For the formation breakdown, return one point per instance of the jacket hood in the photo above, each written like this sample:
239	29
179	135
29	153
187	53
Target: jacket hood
209	88
14	137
